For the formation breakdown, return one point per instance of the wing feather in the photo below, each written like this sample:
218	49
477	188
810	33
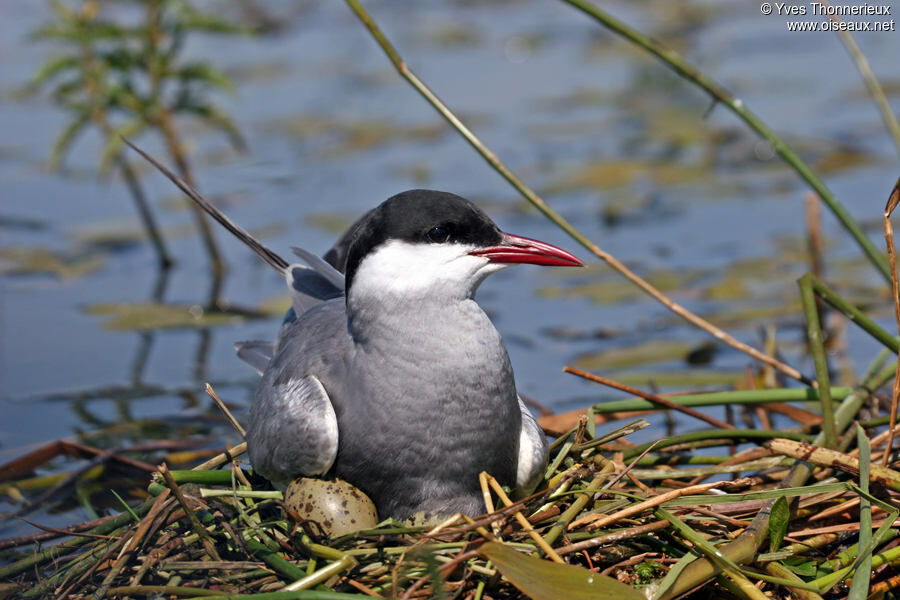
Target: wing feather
533	453
293	429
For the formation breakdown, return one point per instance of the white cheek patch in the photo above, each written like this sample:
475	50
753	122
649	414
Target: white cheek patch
401	268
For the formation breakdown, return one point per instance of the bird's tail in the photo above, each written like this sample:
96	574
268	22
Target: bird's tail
271	258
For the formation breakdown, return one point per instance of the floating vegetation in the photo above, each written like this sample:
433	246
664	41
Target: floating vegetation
608	174
644	353
343	138
44	261
143	316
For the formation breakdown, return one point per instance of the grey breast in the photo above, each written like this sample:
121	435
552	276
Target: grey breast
433	404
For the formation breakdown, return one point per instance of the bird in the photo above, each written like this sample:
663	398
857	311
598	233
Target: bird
386	372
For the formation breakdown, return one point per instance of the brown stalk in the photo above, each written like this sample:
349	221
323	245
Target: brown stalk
129	544
741	457
832	458
595	521
221	459
655	398
234	422
892	202
51	533
544	546
67	531
494	161
814	240
615	536
842	528
557	425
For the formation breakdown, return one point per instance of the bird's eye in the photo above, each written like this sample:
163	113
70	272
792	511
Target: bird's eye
438	235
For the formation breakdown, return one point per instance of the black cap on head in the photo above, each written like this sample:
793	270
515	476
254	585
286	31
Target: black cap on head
420	217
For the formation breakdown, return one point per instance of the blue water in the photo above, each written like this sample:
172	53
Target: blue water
546	88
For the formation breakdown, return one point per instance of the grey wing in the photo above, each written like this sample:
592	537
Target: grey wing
533	453
256	354
292	429
309	287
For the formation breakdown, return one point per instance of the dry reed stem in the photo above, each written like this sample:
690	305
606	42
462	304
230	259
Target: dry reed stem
814	240
61	532
130	543
615	536
655	398
626	470
488	500
875	89
878	439
595	521
892	202
221	459
741	457
825	457
494	161
364	588
478	528
842	528
234	422
544	546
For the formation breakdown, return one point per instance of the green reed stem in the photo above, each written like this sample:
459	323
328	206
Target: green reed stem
817	347
723	435
736	105
854	314
720	398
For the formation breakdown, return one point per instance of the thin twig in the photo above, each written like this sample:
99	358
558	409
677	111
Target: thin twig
615	536
544	546
68	531
655	398
596	521
875	89
221	459
736	105
892	202
234	422
551	214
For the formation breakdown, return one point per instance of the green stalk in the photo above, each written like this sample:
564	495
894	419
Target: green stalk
736	105
859	588
219	477
778	570
714	434
719	398
124	518
580	501
274	560
854	314
887	556
884	106
817	347
743	549
491	158
298	595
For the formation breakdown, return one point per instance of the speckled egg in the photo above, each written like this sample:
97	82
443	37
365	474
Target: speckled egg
335	505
